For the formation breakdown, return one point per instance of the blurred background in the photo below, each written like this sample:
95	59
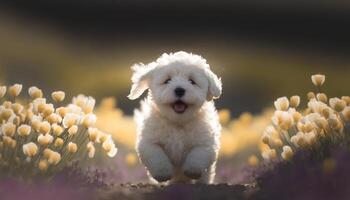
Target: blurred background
261	49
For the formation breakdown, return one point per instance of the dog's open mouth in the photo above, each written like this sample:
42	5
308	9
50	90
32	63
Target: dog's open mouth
179	107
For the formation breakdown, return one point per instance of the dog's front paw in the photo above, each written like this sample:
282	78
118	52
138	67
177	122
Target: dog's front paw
162	175
193	174
192	171
162	178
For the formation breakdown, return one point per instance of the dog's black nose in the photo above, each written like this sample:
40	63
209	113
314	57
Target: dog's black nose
179	92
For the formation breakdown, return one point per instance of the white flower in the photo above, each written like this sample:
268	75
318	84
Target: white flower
109	147
24	130
30	149
2	91
58	96
45	127
269	154
91	149
72	108
287	153
54	158
282	104
72	147
8	129
89	120
318	79
35	92
54	118
86	103
337	104
294	101
39	103
93	134
15	90
45	139
73	130
70	120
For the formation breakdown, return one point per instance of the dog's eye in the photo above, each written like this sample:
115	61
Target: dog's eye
192	82
167	81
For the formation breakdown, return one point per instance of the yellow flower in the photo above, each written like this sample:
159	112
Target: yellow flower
58	96
24	130
282	104
318	79
2	91
8	129
72	147
48	109
30	149
15	90
35	92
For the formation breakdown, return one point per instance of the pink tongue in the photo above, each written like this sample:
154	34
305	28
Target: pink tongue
179	107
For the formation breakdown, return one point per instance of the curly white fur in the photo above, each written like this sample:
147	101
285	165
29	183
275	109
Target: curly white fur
179	144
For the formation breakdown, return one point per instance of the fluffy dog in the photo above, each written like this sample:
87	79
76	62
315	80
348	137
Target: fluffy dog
178	131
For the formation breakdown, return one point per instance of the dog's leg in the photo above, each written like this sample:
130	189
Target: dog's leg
209	175
199	161
156	161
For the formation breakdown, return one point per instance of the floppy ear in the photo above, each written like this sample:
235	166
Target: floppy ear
215	85
139	80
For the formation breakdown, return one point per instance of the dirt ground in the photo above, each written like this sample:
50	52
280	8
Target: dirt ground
179	192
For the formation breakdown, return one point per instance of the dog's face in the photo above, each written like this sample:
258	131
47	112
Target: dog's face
178	88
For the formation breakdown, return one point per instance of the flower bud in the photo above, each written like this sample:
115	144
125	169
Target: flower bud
287	153
24	130
54	158
337	104
35	92
73	130
72	147
2	91
45	140
8	129
45	127
311	95
58	96
318	79
15	90
282	104
322	97
30	149
57	130
58	142
42	165
294	101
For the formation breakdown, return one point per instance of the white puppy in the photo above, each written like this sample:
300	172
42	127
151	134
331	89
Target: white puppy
178	131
